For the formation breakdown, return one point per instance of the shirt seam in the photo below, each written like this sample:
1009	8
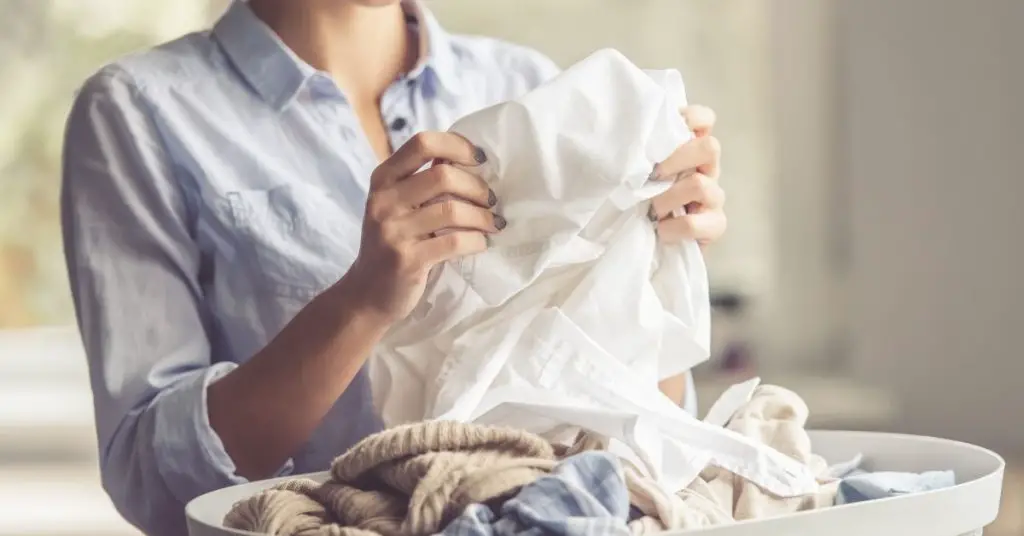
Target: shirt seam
137	89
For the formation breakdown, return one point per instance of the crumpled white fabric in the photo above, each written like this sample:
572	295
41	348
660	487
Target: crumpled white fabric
575	313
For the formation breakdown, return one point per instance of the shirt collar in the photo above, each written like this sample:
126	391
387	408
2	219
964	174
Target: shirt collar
437	53
277	74
269	67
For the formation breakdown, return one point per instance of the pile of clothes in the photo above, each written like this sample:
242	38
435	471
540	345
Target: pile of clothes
468	479
521	394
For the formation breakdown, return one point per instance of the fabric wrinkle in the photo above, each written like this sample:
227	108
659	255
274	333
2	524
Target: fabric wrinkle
583	495
576	298
468	479
775	416
412	479
860	486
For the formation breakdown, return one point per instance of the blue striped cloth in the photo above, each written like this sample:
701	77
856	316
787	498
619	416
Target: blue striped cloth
860	486
585	495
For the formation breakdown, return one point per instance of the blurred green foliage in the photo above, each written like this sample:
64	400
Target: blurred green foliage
47	48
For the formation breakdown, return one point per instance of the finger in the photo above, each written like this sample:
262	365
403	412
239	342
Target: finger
450	214
698	154
450	246
700	119
444	179
703	227
694	188
423	148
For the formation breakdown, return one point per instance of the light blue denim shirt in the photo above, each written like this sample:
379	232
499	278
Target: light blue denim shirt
212	187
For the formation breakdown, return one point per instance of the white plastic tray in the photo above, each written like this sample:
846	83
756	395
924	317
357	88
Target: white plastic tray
963	509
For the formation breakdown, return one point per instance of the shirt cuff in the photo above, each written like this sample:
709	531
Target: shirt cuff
189	454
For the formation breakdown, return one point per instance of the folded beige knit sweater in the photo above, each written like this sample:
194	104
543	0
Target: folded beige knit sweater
414	479
411	479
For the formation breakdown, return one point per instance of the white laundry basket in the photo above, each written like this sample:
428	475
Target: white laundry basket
961	510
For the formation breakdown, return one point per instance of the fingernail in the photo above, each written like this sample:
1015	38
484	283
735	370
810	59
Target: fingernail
499	222
492	199
479	155
651	214
654	173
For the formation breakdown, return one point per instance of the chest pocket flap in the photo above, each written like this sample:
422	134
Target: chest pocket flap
296	238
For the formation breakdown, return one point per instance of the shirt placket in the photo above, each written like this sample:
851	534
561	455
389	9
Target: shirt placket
397	111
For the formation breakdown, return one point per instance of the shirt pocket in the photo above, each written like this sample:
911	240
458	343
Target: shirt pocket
296	239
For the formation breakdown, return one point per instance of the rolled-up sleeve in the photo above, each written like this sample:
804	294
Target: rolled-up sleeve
133	264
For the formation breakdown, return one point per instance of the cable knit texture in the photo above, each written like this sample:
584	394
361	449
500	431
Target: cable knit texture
407	480
415	479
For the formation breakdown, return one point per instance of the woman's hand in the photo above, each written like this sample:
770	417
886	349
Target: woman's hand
694	167
314	358
402	236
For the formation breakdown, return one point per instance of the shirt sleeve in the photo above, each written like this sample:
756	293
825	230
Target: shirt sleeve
133	264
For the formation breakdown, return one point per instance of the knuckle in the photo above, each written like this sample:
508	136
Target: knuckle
705	186
422	142
446	176
376	208
454	241
389	232
376	176
712	145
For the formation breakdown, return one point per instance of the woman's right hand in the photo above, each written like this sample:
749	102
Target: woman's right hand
417	219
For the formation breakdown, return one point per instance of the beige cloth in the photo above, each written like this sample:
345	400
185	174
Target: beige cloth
775	416
408	480
415	479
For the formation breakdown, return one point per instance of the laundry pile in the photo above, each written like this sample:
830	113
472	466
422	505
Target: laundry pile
521	394
467	479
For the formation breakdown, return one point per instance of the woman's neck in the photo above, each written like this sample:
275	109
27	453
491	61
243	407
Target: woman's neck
364	48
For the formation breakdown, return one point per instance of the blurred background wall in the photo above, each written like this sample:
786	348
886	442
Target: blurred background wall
874	254
931	130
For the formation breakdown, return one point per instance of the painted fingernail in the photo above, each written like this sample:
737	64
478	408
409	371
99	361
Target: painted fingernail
499	222
479	155
651	214
492	199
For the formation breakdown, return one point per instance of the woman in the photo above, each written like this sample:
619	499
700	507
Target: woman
227	284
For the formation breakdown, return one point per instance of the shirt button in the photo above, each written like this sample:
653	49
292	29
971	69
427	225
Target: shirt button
399	124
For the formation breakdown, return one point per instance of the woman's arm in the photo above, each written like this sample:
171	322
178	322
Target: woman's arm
675	387
268	407
133	262
172	424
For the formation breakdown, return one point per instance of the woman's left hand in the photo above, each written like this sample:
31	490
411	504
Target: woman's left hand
695	168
